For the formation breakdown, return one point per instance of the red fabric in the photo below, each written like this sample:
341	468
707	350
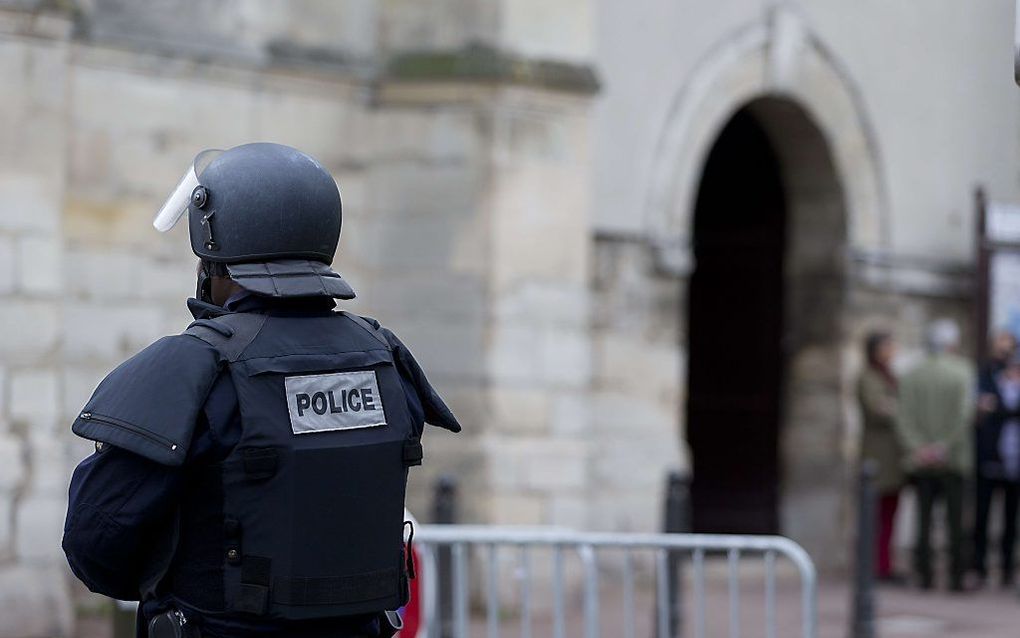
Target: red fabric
887	505
412	612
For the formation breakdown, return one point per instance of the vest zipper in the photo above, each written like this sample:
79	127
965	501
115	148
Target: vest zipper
134	429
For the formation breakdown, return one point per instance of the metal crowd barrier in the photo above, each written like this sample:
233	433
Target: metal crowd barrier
485	542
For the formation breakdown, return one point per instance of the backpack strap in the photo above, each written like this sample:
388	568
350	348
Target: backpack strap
230	334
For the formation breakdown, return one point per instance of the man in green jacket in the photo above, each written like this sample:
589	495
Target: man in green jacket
933	423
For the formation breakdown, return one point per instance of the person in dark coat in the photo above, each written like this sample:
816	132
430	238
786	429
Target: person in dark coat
227	494
876	393
998	467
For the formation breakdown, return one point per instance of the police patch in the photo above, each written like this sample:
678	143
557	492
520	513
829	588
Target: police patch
338	401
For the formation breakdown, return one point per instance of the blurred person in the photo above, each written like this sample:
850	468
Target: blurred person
249	474
999	469
876	392
933	423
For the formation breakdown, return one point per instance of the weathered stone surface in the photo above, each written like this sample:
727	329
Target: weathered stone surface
30	202
520	410
515	509
34	397
38	527
8	260
34	602
50	467
39	264
11	462
6	525
100	273
109	331
571	414
30	329
3	394
523	353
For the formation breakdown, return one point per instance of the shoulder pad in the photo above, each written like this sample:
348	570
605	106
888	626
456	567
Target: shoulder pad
436	411
150	403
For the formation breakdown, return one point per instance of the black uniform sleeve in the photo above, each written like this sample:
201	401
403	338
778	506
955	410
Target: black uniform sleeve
120	507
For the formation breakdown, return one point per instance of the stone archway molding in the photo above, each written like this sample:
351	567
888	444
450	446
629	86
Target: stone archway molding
775	57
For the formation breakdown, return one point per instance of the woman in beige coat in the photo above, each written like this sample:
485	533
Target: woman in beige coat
876	391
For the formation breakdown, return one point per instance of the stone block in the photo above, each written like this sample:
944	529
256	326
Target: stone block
520	409
101	273
547	302
450	350
35	602
51	471
513	356
569	511
8	261
171	279
626	511
538	217
566	358
31	203
12	469
6	527
509	474
35	397
38	528
560	31
571	413
616	412
516	509
551	465
445	137
452	297
404	244
30	329
633	462
39	264
630	363
110	332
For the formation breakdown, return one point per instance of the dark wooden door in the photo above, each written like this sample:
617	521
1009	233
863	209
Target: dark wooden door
735	325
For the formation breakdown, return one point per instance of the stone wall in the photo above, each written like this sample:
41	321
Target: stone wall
638	387
33	450
465	216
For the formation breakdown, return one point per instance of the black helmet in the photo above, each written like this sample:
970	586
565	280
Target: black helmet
269	212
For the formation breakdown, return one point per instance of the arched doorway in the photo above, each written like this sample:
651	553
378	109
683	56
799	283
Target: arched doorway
764	297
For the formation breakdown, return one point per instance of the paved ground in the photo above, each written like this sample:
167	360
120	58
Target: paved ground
989	613
902	613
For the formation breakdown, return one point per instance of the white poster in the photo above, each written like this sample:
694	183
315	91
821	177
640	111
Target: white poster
1002	223
1004	291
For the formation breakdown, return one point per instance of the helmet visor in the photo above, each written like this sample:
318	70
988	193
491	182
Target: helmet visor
177	203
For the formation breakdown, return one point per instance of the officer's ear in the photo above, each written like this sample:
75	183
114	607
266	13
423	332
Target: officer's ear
222	288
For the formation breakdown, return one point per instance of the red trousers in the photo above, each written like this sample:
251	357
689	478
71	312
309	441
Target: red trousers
887	504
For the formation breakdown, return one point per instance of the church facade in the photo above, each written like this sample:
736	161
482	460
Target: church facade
624	238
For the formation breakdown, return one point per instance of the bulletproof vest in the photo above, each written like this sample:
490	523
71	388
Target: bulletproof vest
313	494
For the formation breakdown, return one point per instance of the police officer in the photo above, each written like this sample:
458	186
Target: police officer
249	473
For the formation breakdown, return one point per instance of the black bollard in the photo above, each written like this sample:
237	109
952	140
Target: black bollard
444	511
676	520
864	577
